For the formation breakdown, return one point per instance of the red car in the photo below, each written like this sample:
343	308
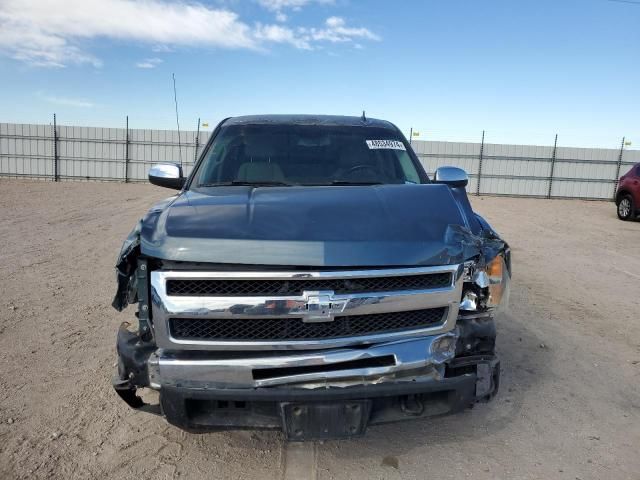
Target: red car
628	194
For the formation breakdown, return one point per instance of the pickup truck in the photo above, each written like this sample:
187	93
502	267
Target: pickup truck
310	277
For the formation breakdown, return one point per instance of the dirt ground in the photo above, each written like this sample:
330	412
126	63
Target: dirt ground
568	408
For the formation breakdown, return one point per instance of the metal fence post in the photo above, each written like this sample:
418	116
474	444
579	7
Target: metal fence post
195	155
553	164
126	153
480	165
56	176
618	166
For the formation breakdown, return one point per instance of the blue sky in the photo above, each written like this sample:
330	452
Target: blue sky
521	70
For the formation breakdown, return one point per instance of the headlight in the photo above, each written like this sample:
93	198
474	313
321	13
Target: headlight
487	287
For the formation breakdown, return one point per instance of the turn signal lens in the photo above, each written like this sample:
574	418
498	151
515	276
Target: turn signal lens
498	281
494	269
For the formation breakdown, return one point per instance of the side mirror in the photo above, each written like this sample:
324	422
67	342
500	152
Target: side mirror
452	176
167	175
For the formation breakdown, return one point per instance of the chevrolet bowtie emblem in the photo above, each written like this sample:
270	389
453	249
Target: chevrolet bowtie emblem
320	307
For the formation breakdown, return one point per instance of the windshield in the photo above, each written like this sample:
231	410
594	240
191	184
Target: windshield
306	155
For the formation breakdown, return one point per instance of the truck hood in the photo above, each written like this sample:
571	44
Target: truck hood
386	225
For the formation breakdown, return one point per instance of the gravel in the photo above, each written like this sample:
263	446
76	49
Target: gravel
570	347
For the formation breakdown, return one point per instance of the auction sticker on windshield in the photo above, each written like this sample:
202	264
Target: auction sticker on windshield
385	144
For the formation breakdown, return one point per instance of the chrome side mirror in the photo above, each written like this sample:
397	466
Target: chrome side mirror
452	176
167	175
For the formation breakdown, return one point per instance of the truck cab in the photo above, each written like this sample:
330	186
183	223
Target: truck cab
309	276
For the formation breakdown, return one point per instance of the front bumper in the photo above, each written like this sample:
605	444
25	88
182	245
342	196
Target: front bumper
323	394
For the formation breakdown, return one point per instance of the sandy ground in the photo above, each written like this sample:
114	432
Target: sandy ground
569	405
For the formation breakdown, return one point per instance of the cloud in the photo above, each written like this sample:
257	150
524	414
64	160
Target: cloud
161	48
336	30
149	63
280	34
44	33
66	101
279	5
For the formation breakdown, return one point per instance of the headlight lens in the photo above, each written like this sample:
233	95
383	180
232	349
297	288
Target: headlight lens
488	287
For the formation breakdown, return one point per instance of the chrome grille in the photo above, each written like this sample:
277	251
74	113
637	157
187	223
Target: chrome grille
282	287
263	310
262	329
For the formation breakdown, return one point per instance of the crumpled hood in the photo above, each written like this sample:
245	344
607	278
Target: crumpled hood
386	225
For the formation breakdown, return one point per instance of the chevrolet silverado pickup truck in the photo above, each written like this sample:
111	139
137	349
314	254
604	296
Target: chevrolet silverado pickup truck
309	276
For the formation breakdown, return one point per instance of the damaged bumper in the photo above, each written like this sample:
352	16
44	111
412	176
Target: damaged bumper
324	394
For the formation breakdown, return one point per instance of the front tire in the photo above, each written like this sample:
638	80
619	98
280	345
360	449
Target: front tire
625	208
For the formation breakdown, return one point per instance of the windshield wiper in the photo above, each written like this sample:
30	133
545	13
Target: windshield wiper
266	183
349	182
284	184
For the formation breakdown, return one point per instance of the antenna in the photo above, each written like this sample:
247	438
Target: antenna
175	99
364	117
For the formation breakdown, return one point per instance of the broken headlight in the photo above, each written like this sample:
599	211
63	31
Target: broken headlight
487	287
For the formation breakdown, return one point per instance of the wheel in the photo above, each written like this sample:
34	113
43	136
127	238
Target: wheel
625	207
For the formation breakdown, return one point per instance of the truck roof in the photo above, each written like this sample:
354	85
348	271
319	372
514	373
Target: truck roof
309	120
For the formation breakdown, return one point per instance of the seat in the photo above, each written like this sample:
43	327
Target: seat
260	172
351	156
261	155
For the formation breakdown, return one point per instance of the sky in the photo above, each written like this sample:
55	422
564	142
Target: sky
522	70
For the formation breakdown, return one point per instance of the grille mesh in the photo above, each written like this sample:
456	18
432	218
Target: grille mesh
212	329
243	288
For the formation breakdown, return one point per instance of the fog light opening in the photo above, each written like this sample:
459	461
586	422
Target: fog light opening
444	346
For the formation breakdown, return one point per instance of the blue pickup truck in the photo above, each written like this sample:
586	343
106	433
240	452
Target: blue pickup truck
309	276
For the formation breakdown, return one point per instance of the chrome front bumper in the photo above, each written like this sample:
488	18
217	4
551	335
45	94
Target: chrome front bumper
260	391
394	361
